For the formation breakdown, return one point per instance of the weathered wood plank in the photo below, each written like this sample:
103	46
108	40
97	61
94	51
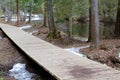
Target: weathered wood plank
60	63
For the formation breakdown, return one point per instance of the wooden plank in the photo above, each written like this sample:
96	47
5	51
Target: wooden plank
58	62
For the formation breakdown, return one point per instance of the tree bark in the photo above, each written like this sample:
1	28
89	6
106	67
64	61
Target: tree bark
117	24
94	23
50	16
69	31
70	20
53	34
9	15
24	10
5	14
89	37
45	18
30	11
17	12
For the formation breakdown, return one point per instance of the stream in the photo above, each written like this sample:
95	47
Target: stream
19	72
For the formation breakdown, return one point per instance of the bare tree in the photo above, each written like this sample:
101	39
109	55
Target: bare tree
53	33
30	10
117	25
89	37
45	18
94	23
17	12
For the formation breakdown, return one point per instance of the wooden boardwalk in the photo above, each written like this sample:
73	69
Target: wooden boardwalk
60	63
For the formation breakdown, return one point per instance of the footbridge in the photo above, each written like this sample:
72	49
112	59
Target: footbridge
59	63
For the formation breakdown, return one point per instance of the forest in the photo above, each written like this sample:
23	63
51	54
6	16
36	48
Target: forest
66	15
70	23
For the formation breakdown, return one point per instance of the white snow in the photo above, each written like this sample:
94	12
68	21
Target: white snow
25	27
119	55
14	19
36	18
1	37
19	72
33	32
76	50
81	38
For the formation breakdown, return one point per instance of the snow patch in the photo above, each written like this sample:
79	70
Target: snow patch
33	32
84	47
1	37
14	19
84	39
19	72
25	27
36	18
119	55
76	50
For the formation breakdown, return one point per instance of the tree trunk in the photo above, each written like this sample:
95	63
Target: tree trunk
25	12
50	17
17	12
30	11
70	21
70	27
5	14
94	23
89	37
45	18
117	25
4	8
9	15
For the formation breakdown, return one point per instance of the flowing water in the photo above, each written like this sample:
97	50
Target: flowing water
19	72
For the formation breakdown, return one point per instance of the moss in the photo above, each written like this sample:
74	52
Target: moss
54	35
2	73
103	47
1	78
